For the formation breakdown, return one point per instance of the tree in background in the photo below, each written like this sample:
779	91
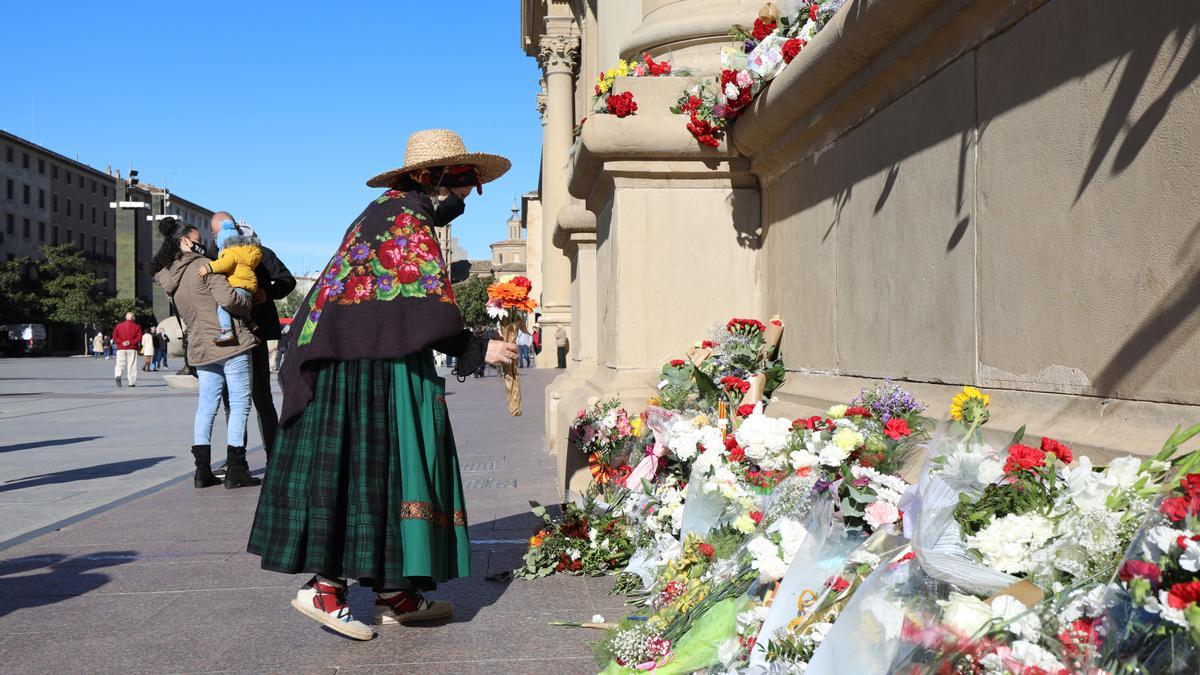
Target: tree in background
21	298
114	310
471	296
70	294
287	307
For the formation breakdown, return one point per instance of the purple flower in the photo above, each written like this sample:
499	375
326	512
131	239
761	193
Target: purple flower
384	282
314	315
430	282
719	110
401	241
359	253
336	288
749	45
821	486
861	482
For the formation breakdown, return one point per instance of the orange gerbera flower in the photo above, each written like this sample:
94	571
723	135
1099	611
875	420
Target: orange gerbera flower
511	296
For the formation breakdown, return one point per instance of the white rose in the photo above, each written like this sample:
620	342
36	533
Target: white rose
989	471
1124	471
965	613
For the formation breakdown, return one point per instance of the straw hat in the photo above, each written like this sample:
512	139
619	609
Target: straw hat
442	147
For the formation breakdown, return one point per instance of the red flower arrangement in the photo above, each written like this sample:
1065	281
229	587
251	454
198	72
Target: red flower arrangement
1053	447
676	363
896	428
814	423
745	410
742	325
732	383
657	68
762	29
706	550
792	48
1180	596
1023	458
1175	508
857	411
1143	569
744	94
621	105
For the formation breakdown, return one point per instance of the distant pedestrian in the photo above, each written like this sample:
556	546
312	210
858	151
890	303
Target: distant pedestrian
561	342
148	349
217	367
127	339
525	345
161	341
108	348
97	345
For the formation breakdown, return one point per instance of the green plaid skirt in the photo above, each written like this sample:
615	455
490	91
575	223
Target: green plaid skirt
365	483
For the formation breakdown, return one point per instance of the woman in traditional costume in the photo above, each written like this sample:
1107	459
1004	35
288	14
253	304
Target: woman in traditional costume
364	479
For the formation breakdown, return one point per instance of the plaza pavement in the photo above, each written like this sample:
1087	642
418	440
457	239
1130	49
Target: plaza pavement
156	579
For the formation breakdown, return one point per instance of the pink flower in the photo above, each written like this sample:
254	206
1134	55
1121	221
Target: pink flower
743	78
881	513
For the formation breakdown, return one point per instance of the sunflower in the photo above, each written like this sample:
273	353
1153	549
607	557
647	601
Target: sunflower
970	406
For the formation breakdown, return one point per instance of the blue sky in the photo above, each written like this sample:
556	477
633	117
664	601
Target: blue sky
276	112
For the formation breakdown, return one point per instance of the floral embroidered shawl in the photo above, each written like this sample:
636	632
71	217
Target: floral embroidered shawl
385	294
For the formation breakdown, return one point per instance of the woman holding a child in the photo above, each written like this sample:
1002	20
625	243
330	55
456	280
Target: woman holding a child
181	269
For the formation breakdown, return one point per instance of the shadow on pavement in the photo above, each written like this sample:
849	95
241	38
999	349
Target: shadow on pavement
62	578
47	443
84	473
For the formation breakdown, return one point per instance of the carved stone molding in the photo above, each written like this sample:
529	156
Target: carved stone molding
558	53
541	100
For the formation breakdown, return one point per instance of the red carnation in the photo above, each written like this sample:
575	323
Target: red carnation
1191	484
731	382
762	29
838	584
857	411
756	516
621	105
707	344
1023	458
907	556
791	49
735	325
1181	541
1182	595
743	99
1141	568
737	454
896	428
812	10
1053	447
1175	508
706	550
745	409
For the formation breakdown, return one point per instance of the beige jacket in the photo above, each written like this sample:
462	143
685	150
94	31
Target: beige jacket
197	299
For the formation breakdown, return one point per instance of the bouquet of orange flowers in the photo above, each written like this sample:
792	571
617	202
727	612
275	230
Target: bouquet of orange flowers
510	304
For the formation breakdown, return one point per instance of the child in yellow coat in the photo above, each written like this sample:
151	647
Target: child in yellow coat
240	253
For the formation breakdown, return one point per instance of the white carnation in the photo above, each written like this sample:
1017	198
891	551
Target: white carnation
1011	543
1008	608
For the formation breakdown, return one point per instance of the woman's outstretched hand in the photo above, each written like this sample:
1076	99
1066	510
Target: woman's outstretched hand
500	353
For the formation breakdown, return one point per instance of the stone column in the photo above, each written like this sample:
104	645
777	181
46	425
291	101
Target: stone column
559	48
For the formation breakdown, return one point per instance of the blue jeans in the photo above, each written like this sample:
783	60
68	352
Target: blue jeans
233	373
524	358
160	358
223	317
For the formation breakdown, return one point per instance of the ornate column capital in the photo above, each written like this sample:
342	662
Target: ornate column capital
558	53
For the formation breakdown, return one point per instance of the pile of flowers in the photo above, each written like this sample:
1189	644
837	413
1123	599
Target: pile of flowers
604	101
584	540
772	43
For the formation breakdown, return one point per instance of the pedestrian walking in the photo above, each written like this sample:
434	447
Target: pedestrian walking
217	366
97	345
127	340
561	342
364	482
525	345
108	348
161	343
274	282
148	349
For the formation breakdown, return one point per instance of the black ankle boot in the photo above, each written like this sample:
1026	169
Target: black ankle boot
204	474
237	471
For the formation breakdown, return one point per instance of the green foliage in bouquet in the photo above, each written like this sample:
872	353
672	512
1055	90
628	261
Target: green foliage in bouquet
584	540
